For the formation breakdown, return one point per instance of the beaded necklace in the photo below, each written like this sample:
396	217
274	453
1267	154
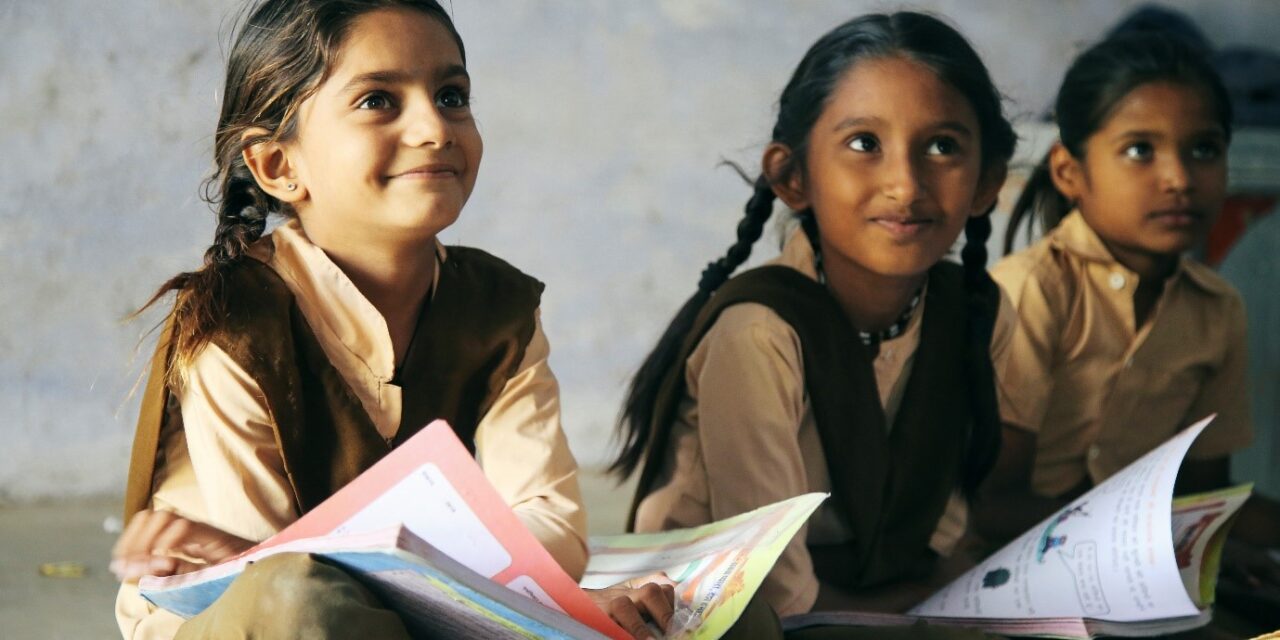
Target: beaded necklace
868	338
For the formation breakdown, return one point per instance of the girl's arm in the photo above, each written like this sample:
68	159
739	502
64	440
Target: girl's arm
1033	309
747	378
228	480
220	487
523	451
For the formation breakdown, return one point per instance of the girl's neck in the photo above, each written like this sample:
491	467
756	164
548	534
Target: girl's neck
871	301
1148	266
395	277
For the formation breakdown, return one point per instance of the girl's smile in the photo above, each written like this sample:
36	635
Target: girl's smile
904	227
434	171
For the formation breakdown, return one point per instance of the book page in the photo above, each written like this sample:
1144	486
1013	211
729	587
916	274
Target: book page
433	486
1108	555
717	567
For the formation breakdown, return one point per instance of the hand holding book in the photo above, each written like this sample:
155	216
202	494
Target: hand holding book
163	543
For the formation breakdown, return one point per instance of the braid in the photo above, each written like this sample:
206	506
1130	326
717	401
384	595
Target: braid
636	425
758	210
243	208
242	217
982	301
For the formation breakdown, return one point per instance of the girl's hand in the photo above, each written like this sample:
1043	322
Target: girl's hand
161	543
633	601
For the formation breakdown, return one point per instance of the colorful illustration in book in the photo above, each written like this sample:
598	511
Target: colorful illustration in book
1184	546
1048	540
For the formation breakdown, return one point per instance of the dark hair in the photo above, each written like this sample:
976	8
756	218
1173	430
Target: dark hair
281	54
1094	84
913	36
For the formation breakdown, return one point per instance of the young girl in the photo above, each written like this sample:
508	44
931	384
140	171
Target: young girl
293	361
1120	341
857	362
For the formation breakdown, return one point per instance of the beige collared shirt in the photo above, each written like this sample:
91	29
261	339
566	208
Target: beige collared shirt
1099	391
748	369
224	468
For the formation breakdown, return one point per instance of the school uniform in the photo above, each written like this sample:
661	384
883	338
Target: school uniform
744	431
229	447
1098	390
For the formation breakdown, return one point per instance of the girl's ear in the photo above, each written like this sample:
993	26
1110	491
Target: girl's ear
1066	173
783	175
989	186
269	163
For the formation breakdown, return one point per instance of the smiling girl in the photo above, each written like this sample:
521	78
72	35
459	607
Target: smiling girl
857	362
1121	341
293	361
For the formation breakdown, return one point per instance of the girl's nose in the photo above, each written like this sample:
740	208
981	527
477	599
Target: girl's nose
900	179
1174	176
427	127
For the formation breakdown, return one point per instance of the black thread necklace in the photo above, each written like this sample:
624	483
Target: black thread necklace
870	339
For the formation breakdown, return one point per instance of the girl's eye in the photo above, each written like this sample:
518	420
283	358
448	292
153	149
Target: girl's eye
375	101
1206	151
864	143
942	147
1139	151
453	98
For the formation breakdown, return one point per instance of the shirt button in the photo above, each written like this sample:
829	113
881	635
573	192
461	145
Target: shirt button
1094	452
1116	281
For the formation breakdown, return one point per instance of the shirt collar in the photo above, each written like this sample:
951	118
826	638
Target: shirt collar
329	299
1076	237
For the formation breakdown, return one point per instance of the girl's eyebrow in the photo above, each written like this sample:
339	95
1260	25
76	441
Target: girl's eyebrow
1157	135
447	72
954	126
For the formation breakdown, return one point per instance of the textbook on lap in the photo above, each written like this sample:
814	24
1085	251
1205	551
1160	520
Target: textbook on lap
425	530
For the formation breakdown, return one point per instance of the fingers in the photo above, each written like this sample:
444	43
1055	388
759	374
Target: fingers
624	612
657	601
141	532
153	539
133	555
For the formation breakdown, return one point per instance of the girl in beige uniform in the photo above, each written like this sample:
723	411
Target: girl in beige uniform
857	362
1121	341
293	361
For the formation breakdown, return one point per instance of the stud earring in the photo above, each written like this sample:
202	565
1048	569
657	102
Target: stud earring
291	186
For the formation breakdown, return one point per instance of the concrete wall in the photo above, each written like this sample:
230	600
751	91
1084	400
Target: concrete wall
603	124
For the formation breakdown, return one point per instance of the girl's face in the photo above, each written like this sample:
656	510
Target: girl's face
387	147
894	168
1154	176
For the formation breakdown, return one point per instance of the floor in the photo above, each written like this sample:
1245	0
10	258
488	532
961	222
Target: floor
72	538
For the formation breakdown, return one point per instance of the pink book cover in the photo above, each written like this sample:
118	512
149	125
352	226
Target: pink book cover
435	456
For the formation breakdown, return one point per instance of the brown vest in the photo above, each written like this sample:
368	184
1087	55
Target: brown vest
470	340
890	486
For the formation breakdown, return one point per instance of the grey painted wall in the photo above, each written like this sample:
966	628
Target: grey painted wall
603	125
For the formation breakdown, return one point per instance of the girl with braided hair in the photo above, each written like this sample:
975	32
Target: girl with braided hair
858	362
293	361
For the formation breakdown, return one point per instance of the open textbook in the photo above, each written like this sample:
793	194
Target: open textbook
425	530
1124	559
